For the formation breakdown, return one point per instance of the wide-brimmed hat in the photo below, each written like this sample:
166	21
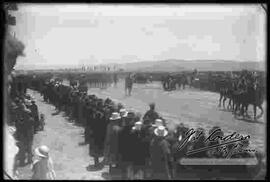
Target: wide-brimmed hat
123	112
158	121
137	125
161	131
131	114
27	102
115	116
42	151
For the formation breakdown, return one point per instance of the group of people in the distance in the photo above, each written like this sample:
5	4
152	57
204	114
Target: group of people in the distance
133	146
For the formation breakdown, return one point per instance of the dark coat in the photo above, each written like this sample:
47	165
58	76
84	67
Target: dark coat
160	158
34	110
152	115
112	142
97	137
139	144
125	144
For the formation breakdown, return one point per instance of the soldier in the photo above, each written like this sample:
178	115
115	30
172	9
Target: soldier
115	79
34	110
128	84
151	114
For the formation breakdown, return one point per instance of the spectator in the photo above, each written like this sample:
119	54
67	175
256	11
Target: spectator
111	154
151	114
126	146
160	154
138	157
43	166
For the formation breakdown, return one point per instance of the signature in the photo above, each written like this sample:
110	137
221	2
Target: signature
223	142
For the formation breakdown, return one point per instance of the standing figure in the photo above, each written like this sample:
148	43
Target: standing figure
115	79
43	167
151	114
111	153
34	109
139	158
160	155
42	122
97	138
128	84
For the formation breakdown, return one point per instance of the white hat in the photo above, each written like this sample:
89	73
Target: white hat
42	151
161	131
123	112
158	122
115	116
137	125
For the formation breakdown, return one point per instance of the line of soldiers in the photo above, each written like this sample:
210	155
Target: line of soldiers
135	147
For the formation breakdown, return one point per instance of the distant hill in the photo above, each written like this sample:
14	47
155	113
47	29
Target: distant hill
200	65
171	65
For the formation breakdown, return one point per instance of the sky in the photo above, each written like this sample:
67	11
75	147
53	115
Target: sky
76	34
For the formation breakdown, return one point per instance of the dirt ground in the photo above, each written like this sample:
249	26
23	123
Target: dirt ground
192	107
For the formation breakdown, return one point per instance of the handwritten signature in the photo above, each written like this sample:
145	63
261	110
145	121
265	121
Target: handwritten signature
233	140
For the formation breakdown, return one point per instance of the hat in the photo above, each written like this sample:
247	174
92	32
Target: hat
137	125
152	104
115	116
123	112
42	151
158	122
27	102
161	131
130	114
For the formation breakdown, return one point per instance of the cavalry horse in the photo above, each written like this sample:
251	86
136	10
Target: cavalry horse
254	95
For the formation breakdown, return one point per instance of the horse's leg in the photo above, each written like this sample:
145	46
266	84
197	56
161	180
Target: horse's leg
261	108
229	104
233	103
246	110
220	97
224	100
255	111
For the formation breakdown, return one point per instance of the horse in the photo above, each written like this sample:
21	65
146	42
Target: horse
223	86
181	80
253	95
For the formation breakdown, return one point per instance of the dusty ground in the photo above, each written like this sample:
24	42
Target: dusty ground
193	107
